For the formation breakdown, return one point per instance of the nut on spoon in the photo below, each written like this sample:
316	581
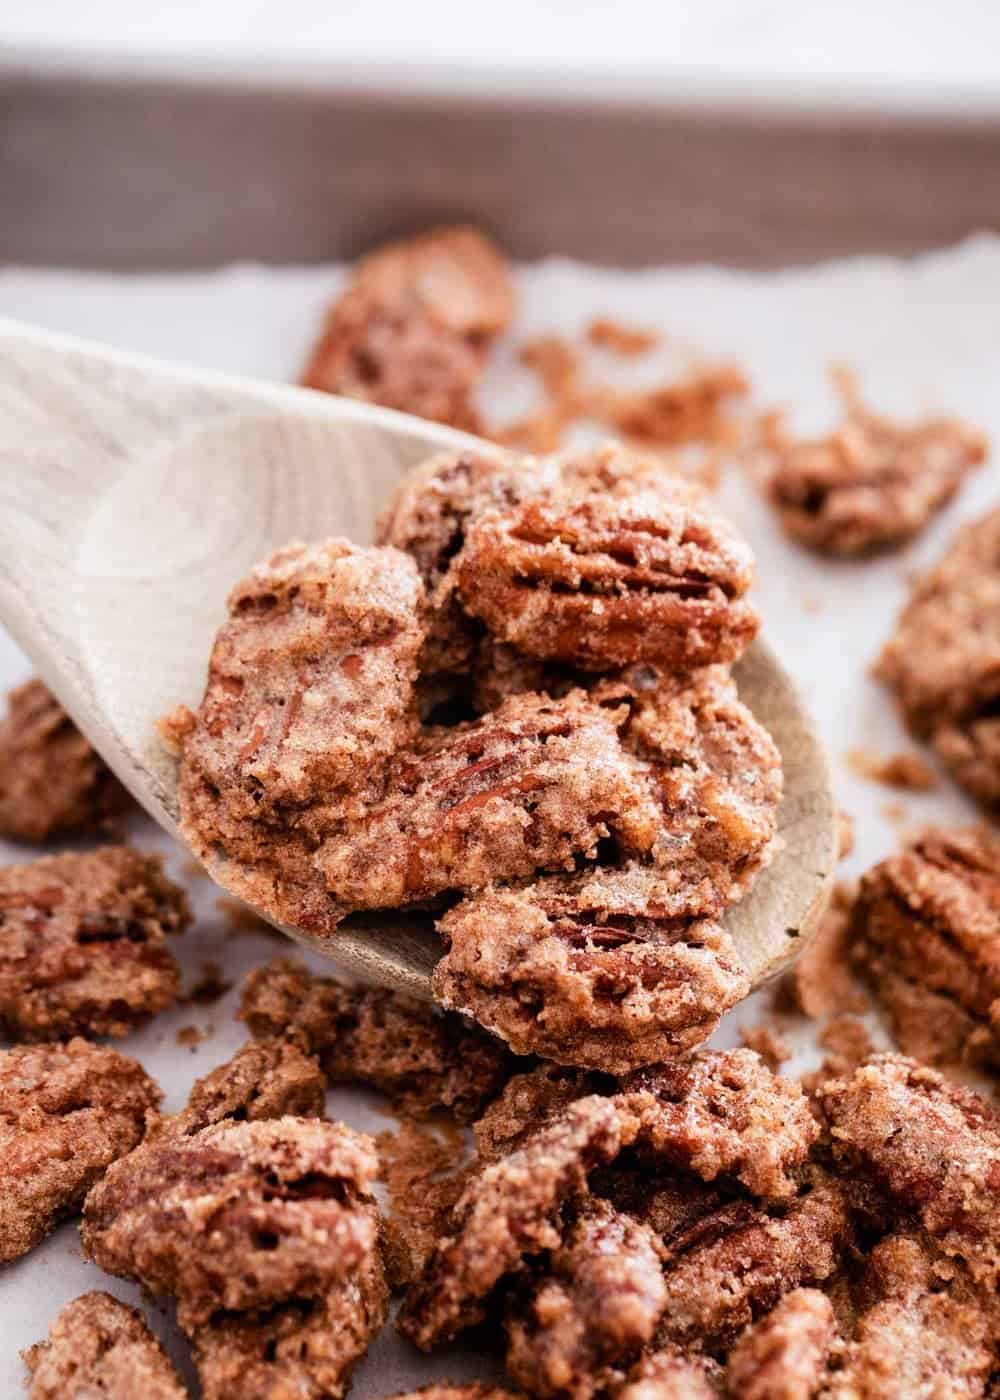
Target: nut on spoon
133	494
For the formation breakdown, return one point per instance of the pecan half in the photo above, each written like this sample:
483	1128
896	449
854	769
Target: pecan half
605	582
98	1346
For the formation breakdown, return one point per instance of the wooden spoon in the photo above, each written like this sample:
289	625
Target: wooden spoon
135	494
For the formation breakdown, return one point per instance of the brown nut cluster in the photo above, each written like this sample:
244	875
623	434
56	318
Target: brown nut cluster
83	943
98	1346
415	324
67	1111
370	739
925	934
425	1062
871	485
943	661
52	782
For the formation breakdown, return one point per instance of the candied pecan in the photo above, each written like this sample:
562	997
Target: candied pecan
924	1330
821	982
83	943
670	1374
309	691
529	1100
424	1171
100	1347
602	582
414	326
932	1146
723	1113
596	1305
926	932
428	517
671	1204
531	787
263	1080
588	969
305	1348
736	1263
422	1059
509	1211
66	1113
238	1216
944	659
872	484
784	1355
52	782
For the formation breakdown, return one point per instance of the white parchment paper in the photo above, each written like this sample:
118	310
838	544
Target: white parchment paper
923	334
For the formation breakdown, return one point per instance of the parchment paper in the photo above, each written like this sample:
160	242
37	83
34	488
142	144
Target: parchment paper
921	334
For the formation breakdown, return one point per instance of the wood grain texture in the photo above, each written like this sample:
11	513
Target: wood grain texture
133	494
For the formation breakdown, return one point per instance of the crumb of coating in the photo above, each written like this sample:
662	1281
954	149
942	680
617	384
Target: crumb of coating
931	1145
98	1346
595	1306
265	1079
534	786
768	1041
510	1209
309	691
423	1060
670	1374
304	1348
586	970
873	484
83	943
926	935
52	782
67	1111
238	1216
723	1113
603	582
784	1355
924	1330
413	328
943	660
735	1263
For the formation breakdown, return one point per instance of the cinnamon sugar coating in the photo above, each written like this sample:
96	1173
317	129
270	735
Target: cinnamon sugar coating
723	1113
931	1145
924	1330
735	1263
238	1216
873	484
784	1355
534	786
926	933
413	328
422	1060
670	1374
100	1349
52	781
83	943
66	1113
529	1100
596	1305
509	1210
265	1079
943	660
603	582
309	691
305	1348
589	969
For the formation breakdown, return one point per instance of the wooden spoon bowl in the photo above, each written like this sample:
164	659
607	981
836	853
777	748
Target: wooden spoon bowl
135	495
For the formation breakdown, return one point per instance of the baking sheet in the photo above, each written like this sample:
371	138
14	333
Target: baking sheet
921	334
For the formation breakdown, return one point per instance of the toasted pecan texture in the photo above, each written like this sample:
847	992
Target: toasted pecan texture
943	660
873	484
52	782
66	1113
99	1347
413	328
83	946
926	935
422	1060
